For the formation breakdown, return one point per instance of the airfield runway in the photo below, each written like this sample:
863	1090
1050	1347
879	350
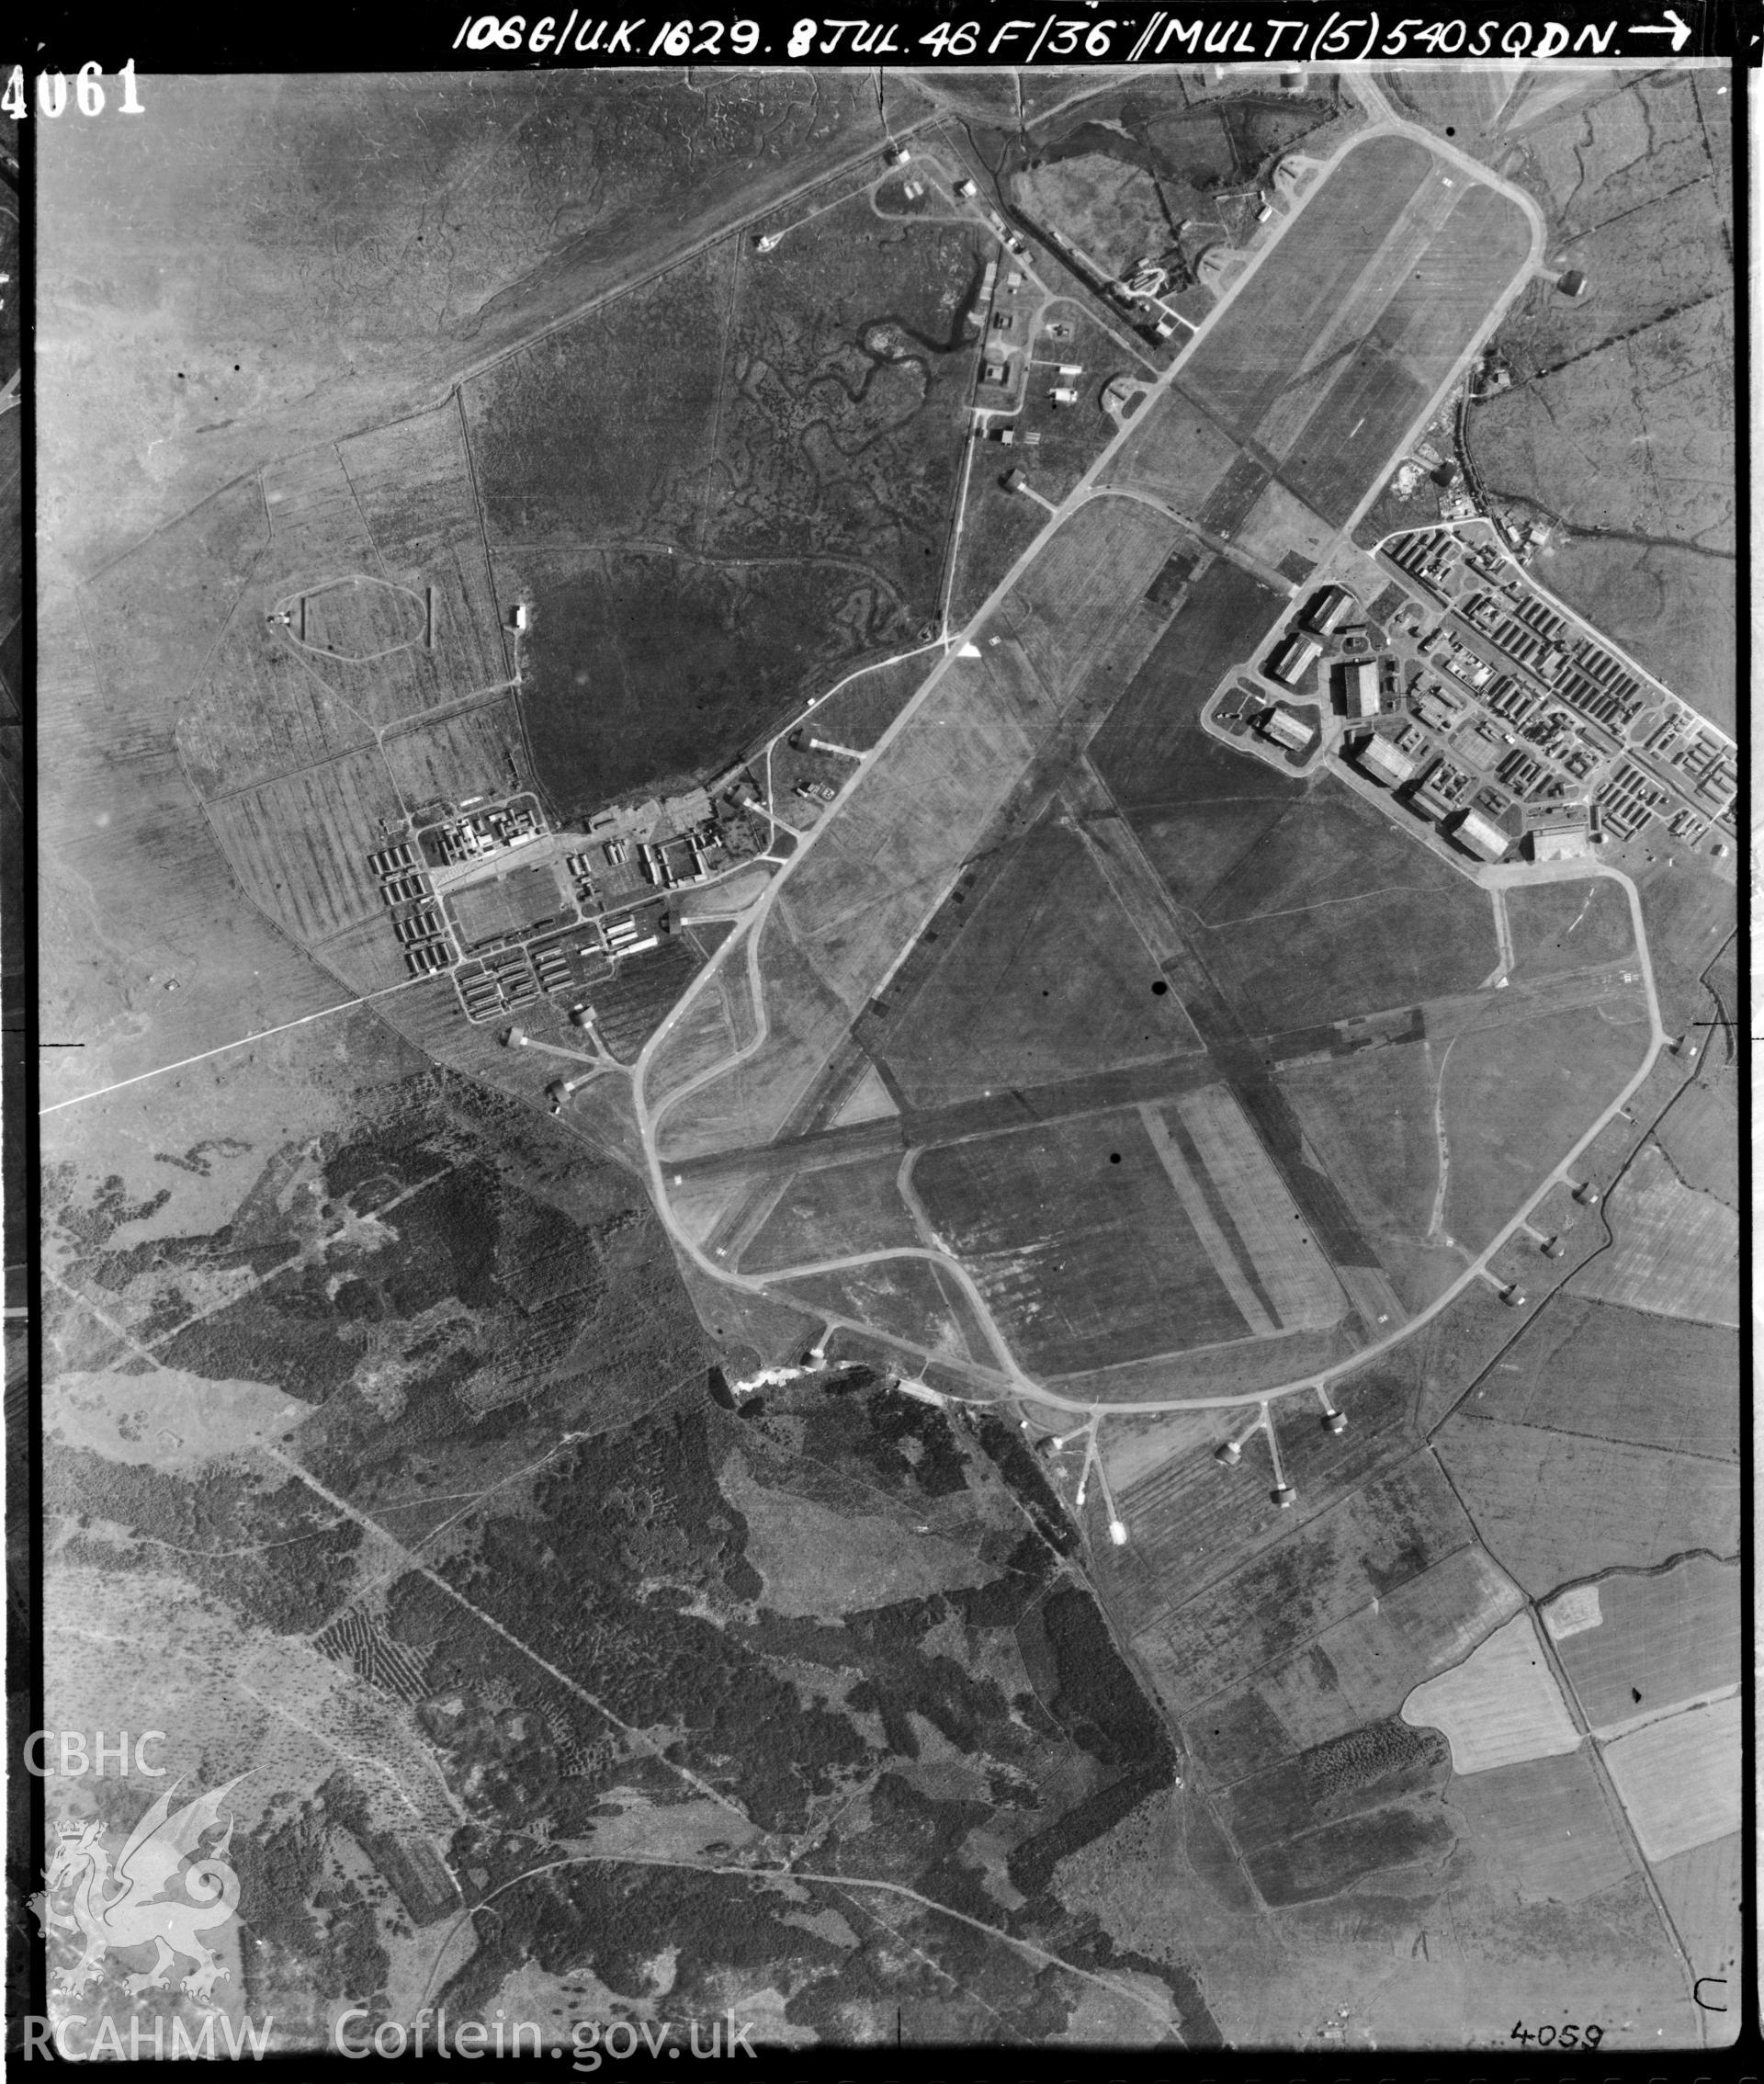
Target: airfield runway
1314	372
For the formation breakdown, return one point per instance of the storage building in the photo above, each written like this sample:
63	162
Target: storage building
1334	607
1481	836
1385	763
1560	843
1286	729
1294	659
1360	683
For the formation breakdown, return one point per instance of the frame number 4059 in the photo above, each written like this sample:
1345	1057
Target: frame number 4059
52	94
1558	2036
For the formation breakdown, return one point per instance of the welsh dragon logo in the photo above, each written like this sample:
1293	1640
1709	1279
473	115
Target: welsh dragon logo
128	1906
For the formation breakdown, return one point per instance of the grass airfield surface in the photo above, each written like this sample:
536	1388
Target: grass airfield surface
982	928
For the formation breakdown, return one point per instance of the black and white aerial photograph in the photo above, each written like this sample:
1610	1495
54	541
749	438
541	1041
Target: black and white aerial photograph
875	1135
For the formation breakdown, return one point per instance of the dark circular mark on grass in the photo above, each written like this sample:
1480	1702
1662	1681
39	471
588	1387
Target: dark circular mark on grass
1114	1156
1159	989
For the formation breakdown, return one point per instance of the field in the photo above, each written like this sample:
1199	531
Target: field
750	1102
1671	607
634	1002
1679	1779
1688	917
1108	208
1369	1117
1700	1134
610	708
791	425
1648	240
829	1556
1120	1273
1151	752
1405	354
1595	1368
1180	452
911	1298
1515	1098
1068	609
1461	101
904	828
1194	1521
1635	1647
1225	1371
1279	529
1046	978
1551	1505
268	702
1368	1545
1363	1668
134	892
1677	1251
1195	845
478	753
902	832
489	911
1301	967
1561	926
860	713
1636	180
1214	1159
1331	913
361	618
263	712
702	1037
1501	1705
300	846
997	528
412	481
1328	849
601	431
832	1212
1666	387
1313	1826
1703	1889
1542	1829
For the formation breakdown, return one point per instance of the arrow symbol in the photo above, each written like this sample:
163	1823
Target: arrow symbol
1680	31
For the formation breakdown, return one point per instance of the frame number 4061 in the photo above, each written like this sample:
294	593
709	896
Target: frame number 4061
52	94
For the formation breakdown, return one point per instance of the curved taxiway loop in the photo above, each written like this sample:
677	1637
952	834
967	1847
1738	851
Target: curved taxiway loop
1015	1379
748	931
